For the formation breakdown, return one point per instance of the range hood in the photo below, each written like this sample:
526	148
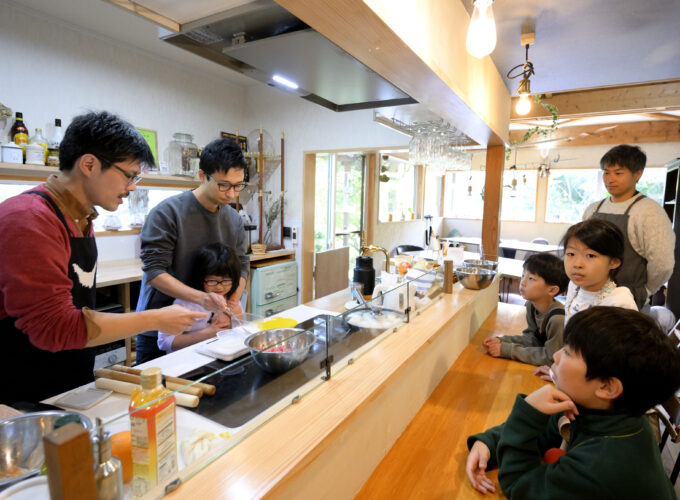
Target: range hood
264	41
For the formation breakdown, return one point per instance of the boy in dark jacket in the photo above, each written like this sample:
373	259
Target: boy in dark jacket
615	364
542	280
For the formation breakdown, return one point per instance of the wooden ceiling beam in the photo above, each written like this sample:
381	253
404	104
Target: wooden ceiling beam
639	98
622	133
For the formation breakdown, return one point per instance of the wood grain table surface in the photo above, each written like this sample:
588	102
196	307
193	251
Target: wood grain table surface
428	459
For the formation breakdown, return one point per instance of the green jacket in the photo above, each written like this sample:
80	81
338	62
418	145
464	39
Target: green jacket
609	456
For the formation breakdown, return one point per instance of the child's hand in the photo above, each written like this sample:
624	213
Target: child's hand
543	372
493	346
550	400
476	468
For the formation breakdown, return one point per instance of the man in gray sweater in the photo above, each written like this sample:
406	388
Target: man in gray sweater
648	258
179	226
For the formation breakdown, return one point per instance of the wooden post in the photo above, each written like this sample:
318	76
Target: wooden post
493	183
307	234
371	198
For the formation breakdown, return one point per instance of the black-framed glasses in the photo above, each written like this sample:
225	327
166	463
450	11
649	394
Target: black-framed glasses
132	178
226	186
226	283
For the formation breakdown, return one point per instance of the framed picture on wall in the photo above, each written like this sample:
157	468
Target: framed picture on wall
242	140
151	139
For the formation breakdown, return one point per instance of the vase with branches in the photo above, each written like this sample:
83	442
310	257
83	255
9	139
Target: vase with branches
270	217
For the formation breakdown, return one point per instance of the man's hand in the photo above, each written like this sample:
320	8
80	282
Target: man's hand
234	306
214	302
543	372
476	468
221	321
550	400
493	346
176	319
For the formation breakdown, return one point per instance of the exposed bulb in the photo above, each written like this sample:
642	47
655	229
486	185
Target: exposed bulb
523	105
544	151
481	35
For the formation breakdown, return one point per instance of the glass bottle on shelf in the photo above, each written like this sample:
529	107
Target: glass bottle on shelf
183	155
18	134
38	139
53	145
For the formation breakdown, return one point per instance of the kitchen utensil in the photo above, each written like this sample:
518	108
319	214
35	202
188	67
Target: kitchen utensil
279	350
207	388
21	445
186	400
364	273
484	264
136	379
357	293
474	278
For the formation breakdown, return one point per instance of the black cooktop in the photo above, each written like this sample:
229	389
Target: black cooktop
245	390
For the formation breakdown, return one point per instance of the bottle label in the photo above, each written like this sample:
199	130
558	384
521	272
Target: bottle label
20	138
167	443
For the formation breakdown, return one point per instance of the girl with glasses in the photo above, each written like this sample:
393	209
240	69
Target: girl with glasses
216	269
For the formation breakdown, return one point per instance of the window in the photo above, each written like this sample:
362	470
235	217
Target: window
570	192
519	202
464	197
397	195
433	192
652	183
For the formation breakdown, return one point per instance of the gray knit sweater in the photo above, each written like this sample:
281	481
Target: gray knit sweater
174	230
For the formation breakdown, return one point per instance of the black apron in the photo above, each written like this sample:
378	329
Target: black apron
633	272
32	374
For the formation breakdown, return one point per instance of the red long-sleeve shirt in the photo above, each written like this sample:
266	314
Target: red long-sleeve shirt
34	283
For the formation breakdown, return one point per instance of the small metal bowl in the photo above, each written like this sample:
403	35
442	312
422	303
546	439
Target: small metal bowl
484	264
21	443
280	349
474	278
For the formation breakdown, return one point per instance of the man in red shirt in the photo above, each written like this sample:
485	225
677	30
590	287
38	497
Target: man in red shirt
49	258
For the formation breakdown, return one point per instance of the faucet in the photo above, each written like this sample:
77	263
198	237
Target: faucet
365	250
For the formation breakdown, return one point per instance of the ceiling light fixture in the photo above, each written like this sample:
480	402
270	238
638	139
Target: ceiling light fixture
481	35
285	81
523	105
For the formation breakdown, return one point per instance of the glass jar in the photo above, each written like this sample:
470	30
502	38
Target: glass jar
183	155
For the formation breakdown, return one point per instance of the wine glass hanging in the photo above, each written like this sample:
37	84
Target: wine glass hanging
438	145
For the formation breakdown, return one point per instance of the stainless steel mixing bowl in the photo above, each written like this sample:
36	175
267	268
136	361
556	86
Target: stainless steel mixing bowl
280	349
484	264
474	278
21	446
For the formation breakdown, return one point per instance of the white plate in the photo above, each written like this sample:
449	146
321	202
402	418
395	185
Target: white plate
30	489
225	347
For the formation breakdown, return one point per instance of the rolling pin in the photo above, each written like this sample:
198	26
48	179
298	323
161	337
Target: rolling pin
207	388
136	379
120	387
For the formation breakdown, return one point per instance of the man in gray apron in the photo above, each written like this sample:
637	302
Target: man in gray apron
49	260
649	241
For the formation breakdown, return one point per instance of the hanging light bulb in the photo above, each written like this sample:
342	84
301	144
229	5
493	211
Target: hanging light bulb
544	151
481	35
524	179
523	105
470	186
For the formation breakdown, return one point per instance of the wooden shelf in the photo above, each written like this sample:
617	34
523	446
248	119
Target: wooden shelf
37	173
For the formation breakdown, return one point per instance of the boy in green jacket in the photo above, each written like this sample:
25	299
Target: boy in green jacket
615	365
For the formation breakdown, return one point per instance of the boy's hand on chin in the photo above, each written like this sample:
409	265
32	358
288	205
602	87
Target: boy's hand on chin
476	468
550	400
543	372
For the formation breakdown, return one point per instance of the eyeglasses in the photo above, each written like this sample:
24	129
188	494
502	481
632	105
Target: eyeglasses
226	283
226	186
132	178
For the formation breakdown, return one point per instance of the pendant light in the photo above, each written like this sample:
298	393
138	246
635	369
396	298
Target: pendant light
523	105
481	35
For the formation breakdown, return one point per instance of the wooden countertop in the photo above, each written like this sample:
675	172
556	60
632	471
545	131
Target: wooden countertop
284	456
428	460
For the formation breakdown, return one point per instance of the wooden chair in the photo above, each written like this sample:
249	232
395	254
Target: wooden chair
669	414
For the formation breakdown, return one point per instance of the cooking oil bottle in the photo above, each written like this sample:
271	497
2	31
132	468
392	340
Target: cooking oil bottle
154	435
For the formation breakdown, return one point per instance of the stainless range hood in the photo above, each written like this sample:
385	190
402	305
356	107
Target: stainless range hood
262	40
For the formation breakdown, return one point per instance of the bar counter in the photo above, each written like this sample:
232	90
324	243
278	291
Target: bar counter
328	444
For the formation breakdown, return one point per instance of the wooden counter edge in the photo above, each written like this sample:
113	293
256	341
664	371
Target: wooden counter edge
270	460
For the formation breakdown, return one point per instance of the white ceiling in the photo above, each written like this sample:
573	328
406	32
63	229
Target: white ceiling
589	43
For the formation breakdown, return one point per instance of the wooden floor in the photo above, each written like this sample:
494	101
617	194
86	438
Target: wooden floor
428	460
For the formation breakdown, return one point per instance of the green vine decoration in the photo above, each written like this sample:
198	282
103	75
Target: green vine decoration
545	132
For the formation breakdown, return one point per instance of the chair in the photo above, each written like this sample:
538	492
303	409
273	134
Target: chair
523	254
540	241
406	248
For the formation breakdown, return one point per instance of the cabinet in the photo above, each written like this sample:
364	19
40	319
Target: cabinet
671	202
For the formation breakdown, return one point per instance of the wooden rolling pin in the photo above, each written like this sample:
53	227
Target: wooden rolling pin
136	379
126	388
207	388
